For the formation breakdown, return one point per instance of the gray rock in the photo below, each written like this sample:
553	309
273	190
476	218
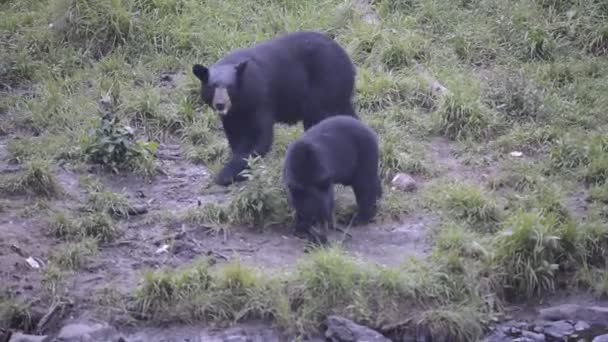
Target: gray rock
340	329
536	337
498	336
87	331
601	338
593	315
404	182
539	329
18	337
581	326
559	329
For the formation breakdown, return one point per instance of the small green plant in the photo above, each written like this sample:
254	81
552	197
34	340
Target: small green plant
540	44
114	147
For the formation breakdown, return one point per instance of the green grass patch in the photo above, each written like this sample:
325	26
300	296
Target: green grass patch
37	178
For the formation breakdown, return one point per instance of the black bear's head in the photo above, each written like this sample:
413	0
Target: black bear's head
310	189
220	84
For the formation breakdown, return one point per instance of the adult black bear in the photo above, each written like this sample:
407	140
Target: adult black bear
338	150
301	76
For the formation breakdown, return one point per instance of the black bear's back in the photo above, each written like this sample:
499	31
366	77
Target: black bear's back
304	76
343	143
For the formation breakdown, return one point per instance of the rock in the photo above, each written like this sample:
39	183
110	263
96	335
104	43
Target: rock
581	326
88	331
601	338
340	329
137	210
404	182
18	337
559	329
498	336
536	337
593	315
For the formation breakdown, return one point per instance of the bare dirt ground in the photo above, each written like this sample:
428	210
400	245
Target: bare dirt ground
119	265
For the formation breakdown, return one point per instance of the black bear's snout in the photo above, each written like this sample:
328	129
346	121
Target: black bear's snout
220	106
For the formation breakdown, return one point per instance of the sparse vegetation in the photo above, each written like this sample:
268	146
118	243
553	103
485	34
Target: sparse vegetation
520	76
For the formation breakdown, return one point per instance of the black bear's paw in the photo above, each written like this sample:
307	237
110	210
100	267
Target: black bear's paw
361	220
313	239
225	179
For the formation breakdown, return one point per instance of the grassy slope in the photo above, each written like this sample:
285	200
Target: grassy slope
524	75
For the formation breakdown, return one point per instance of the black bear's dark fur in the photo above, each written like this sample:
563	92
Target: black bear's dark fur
301	76
338	150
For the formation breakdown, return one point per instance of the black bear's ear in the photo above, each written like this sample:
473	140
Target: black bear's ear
240	68
200	72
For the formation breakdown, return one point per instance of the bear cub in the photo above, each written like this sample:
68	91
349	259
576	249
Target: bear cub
338	150
300	76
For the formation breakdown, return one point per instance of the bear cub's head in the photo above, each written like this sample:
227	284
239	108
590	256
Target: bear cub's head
219	84
310	188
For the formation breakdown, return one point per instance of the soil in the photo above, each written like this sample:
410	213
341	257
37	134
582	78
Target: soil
24	227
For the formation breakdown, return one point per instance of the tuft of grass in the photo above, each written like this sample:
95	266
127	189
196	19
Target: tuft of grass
260	201
461	323
96	225
515	96
73	255
470	204
403	51
14	314
109	202
567	154
598	193
95	27
528	251
462	115
37	178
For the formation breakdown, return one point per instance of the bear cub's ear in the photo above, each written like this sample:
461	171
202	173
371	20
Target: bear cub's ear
200	72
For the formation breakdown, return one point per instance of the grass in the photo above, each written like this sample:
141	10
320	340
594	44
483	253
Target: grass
87	84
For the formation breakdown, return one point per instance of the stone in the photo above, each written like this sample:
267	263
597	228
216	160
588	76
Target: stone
87	331
559	329
18	337
593	315
404	182
601	338
581	326
340	329
536	337
498	336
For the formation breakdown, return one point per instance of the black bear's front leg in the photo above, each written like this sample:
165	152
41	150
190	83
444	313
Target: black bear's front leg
244	142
